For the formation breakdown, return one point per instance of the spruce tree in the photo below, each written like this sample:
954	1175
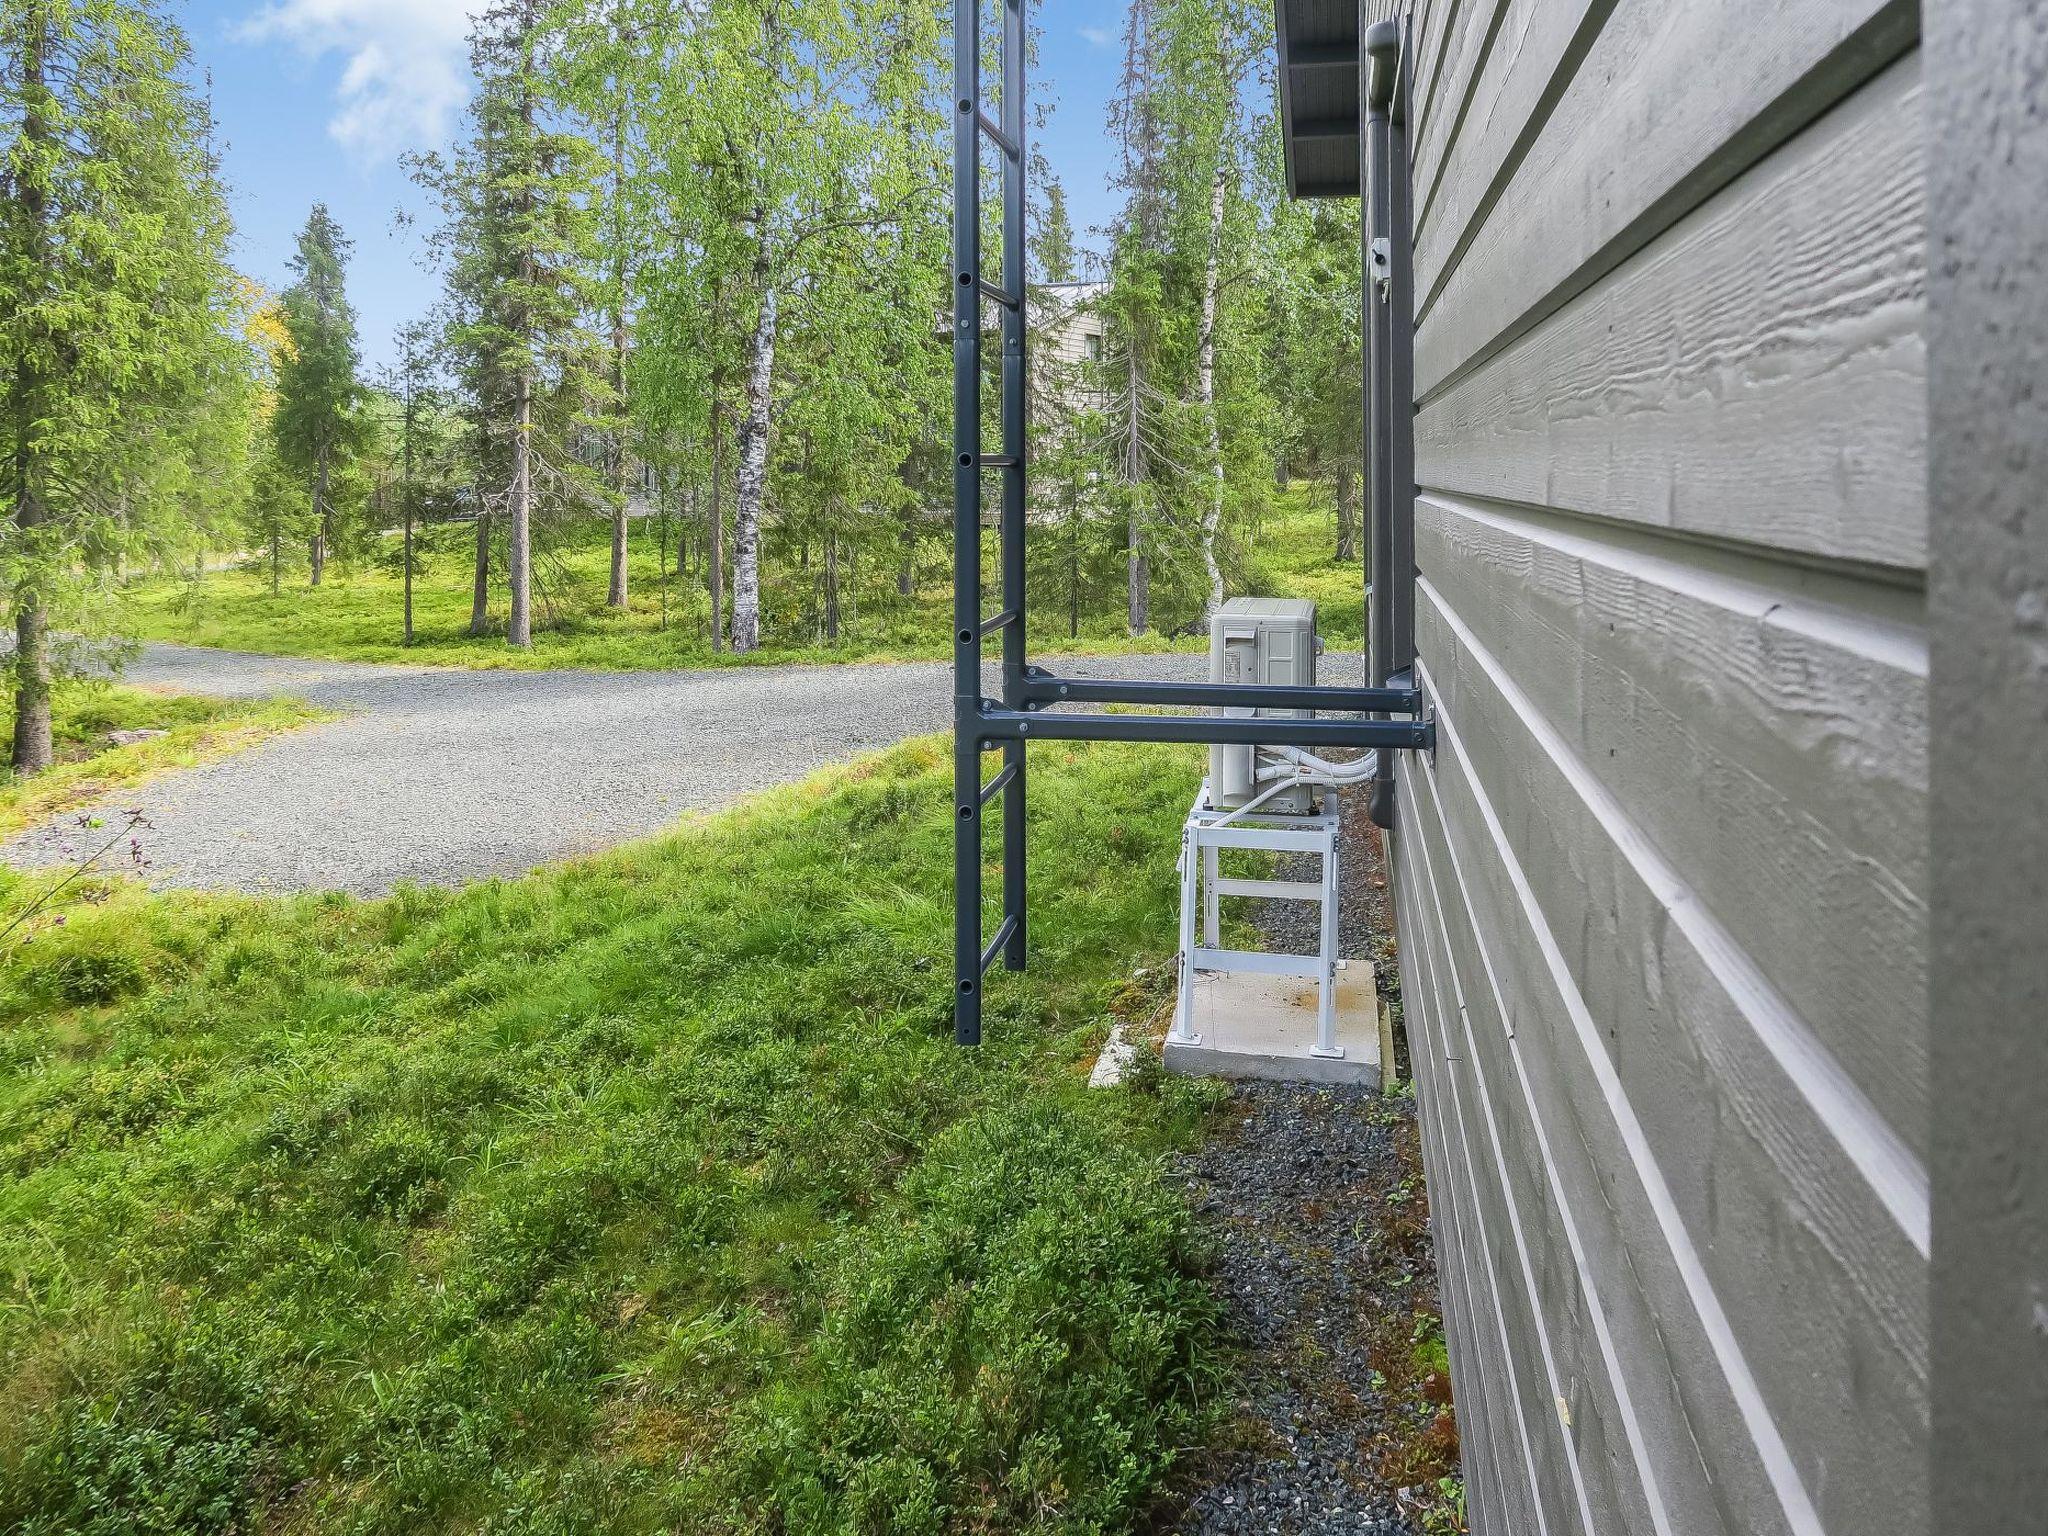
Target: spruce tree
115	313
317	389
520	245
413	387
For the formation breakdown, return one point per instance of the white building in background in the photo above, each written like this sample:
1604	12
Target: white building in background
1066	342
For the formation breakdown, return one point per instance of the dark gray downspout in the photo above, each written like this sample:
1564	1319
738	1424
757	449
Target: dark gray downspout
1389	435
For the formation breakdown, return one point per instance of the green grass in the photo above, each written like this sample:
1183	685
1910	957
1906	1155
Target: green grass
645	1193
1294	555
198	729
356	614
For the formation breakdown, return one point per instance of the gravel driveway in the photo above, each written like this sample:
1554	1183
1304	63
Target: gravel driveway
439	775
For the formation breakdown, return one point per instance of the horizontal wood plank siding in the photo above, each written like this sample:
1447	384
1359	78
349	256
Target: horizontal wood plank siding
1801	725
1661	890
1667	104
1759	374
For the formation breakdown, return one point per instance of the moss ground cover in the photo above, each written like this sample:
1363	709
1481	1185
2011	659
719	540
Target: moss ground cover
646	1193
85	713
355	614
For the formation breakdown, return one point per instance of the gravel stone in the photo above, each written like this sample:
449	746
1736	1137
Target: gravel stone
440	775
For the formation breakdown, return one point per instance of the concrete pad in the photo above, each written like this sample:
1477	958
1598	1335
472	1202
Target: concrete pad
1253	1025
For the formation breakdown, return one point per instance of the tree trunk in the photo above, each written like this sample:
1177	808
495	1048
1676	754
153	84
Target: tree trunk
318	552
407	494
519	534
1073	574
1347	515
480	590
714	577
831	588
616	596
276	555
682	548
753	476
1205	387
32	745
519	530
1137	573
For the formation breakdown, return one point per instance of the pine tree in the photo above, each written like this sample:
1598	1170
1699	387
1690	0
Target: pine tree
412	386
520	244
115	312
1190	414
317	389
1052	233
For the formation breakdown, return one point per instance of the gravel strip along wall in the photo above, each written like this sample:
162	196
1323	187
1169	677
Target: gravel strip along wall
1315	1196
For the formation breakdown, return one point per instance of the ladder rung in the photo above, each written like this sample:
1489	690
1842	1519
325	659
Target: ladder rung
1002	296
994	786
995	945
1000	461
990	625
1003	141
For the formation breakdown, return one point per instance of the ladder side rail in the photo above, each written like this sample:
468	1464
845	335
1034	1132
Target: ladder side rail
1015	320
966	523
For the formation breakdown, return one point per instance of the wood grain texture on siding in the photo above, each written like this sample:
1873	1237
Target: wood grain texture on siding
1594	1470
1711	1125
1432	43
1514	82
1797	725
1669	103
1629	1383
1467	51
1758	373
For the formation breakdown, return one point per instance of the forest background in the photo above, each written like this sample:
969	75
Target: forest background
685	394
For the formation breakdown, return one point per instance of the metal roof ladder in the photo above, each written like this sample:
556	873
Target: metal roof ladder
1394	714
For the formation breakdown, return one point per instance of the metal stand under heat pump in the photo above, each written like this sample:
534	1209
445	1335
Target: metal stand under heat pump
1244	1013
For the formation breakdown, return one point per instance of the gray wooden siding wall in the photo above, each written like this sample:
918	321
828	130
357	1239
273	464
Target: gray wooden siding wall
1662	885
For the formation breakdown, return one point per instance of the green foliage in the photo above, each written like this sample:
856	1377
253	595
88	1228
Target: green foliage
116	347
187	1445
316	424
641	1194
1445	1513
356	616
1008	1357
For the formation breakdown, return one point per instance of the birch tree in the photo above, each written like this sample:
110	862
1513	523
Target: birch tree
1208	46
1131	306
785	111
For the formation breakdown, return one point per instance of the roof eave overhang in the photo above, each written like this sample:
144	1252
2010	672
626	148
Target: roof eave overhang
1319	105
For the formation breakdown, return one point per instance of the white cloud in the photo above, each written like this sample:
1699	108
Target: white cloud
406	72
1098	37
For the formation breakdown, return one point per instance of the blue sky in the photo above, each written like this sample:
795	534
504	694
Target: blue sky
317	99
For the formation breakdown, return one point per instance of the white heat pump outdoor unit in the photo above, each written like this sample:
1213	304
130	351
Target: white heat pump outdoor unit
1260	640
